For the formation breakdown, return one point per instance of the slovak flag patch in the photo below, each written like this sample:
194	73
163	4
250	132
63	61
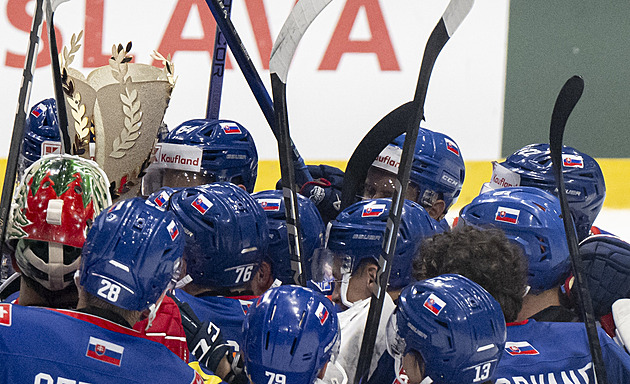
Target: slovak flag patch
520	348
451	146
322	313
270	205
373	210
231	128
434	304
571	161
105	351
161	199
172	230
201	204
36	112
507	215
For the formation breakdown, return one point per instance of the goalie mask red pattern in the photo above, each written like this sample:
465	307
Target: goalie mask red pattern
58	199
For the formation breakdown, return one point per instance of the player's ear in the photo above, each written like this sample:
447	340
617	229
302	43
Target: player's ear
263	279
437	210
371	270
241	186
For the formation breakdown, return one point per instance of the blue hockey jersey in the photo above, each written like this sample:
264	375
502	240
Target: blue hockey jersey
227	313
39	345
557	353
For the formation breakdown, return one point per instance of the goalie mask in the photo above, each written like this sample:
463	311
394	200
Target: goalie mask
290	333
53	207
455	327
203	151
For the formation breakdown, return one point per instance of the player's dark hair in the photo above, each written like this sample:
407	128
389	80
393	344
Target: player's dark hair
485	256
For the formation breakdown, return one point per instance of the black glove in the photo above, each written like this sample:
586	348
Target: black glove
237	374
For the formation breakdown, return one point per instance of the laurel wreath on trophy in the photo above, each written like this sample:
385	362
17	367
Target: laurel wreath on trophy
82	124
131	105
168	69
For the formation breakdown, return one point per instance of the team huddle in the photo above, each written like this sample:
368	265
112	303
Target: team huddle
186	275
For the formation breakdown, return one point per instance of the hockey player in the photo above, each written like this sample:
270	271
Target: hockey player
291	334
52	210
226	242
201	151
130	256
437	173
534	351
351	257
312	232
531	166
532	219
448	329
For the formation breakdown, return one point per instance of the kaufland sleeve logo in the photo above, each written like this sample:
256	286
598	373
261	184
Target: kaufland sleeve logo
434	304
373	210
507	215
451	146
270	205
322	313
571	161
50	148
201	204
105	351
230	128
172	230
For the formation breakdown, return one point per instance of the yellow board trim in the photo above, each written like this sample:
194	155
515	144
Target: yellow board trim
477	173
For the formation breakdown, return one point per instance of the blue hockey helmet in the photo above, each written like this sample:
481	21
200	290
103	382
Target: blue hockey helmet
202	151
290	334
454	324
131	254
584	180
312	232
41	133
531	218
226	233
357	234
437	169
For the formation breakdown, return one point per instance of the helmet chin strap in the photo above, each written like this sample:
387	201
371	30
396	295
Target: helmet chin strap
345	280
181	283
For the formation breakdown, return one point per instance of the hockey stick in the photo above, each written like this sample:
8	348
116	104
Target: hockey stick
301	16
253	80
20	121
218	69
454	14
51	6
567	99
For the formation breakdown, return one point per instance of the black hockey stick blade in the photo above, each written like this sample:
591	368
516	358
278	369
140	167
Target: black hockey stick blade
567	99
454	14
301	16
62	116
20	119
217	71
253	80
